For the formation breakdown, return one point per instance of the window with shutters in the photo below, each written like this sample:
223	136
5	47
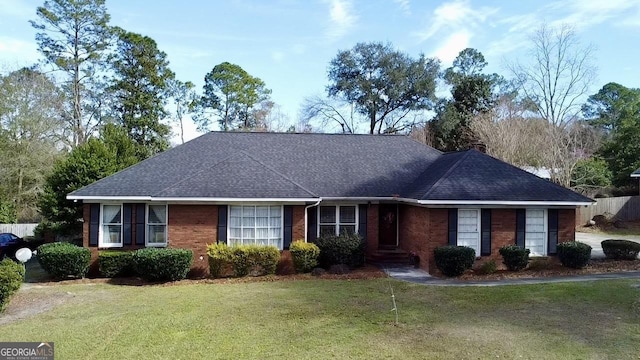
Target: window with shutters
255	225
469	229
535	236
156	234
110	226
334	220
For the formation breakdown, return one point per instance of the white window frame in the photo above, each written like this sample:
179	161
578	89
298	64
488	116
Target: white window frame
337	222
101	243
146	226
479	232
545	242
254	226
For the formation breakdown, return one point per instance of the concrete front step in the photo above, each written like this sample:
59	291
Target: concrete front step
389	256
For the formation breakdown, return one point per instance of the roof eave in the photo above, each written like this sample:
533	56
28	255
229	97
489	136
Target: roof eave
185	199
505	203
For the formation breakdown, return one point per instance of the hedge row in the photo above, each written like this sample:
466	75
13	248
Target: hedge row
243	260
11	277
345	248
64	260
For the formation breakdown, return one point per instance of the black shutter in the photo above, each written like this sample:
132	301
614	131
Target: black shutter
127	228
362	221
140	223
94	224
520	227
222	224
485	231
552	222
453	227
312	223
288	226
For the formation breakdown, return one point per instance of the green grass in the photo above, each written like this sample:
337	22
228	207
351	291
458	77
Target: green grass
326	319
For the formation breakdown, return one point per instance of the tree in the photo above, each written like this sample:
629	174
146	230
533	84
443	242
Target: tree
230	94
615	109
472	93
31	132
559	74
383	83
73	36
141	87
184	101
87	163
590	176
330	112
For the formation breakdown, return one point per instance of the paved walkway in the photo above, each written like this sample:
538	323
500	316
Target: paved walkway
594	241
419	276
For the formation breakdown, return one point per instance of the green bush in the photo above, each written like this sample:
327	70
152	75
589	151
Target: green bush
255	260
162	264
620	249
115	263
488	267
11	277
514	257
62	260
574	254
454	260
304	256
220	258
342	249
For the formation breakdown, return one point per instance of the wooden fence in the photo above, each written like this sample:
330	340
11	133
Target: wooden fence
625	208
20	230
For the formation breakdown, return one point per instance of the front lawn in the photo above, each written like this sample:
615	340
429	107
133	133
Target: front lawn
318	319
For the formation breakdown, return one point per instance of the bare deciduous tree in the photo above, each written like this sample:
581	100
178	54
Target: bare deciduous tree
558	75
330	113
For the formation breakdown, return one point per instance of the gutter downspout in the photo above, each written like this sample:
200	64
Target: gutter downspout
305	217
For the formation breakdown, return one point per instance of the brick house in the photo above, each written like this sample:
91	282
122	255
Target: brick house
272	189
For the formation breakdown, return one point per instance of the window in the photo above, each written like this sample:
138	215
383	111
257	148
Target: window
469	229
535	236
156	225
337	219
255	225
111	228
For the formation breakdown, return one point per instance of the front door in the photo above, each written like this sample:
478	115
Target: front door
388	226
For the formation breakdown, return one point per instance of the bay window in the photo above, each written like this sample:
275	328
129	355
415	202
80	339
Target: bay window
255	225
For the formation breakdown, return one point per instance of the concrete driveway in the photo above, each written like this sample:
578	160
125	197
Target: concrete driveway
594	241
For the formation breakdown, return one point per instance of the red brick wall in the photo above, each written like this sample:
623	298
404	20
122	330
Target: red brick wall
193	227
414	232
298	223
372	228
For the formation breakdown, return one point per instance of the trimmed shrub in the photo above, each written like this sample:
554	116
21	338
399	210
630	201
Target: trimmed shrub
113	263
620	249
162	264
11	277
514	257
255	260
342	249
63	260
574	254
220	258
488	267
454	260
540	265
304	256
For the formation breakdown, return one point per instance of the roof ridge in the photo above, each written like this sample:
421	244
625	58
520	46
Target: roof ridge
279	173
447	173
196	173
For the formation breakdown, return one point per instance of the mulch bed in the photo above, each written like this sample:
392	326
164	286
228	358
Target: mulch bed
554	269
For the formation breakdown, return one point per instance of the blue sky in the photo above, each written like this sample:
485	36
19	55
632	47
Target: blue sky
289	43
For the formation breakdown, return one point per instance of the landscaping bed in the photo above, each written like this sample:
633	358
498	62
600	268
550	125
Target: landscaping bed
552	268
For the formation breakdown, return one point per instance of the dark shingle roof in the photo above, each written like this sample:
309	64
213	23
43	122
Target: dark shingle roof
471	175
272	165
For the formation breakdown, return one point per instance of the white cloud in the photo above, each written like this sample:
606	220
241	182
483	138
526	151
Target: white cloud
341	18
452	45
583	14
277	56
405	6
17	9
456	15
14	50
